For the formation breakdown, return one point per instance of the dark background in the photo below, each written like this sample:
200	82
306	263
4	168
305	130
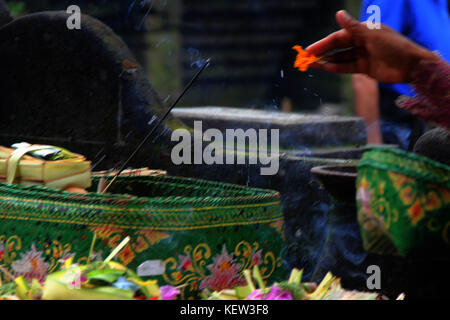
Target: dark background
249	42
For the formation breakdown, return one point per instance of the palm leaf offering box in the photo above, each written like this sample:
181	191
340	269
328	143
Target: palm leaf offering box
404	204
184	232
66	169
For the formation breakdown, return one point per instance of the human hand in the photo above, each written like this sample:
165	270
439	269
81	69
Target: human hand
382	54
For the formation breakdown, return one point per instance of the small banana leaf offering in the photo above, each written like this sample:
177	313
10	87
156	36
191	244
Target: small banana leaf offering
292	289
99	280
28	165
50	153
110	280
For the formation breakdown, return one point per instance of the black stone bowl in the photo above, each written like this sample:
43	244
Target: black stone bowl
339	181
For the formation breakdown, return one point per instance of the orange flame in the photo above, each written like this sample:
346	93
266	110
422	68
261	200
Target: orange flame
304	59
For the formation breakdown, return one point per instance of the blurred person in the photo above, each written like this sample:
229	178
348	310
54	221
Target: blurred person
388	57
427	23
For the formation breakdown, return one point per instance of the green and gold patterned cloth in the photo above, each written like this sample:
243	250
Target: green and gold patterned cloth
403	204
183	231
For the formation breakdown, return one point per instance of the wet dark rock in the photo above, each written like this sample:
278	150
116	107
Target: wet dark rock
435	144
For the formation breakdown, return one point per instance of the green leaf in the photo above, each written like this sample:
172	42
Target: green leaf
36	290
309	287
8	289
258	278
223	295
215	296
248	278
55	289
296	276
16	7
298	292
119	293
151	291
22	288
338	293
105	275
323	287
243	292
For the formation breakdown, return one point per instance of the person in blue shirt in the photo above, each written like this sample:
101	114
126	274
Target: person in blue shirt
425	22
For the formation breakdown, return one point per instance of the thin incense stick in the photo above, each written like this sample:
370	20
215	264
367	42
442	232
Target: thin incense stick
189	85
117	249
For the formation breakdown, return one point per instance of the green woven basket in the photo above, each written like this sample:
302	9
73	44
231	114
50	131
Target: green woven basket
403	204
183	231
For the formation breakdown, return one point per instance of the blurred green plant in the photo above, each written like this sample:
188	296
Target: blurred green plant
17	8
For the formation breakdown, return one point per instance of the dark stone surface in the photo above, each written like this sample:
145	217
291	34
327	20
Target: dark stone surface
5	15
120	15
338	152
68	87
343	254
339	181
296	130
435	144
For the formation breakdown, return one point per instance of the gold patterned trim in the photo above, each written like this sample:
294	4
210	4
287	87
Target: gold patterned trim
144	227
